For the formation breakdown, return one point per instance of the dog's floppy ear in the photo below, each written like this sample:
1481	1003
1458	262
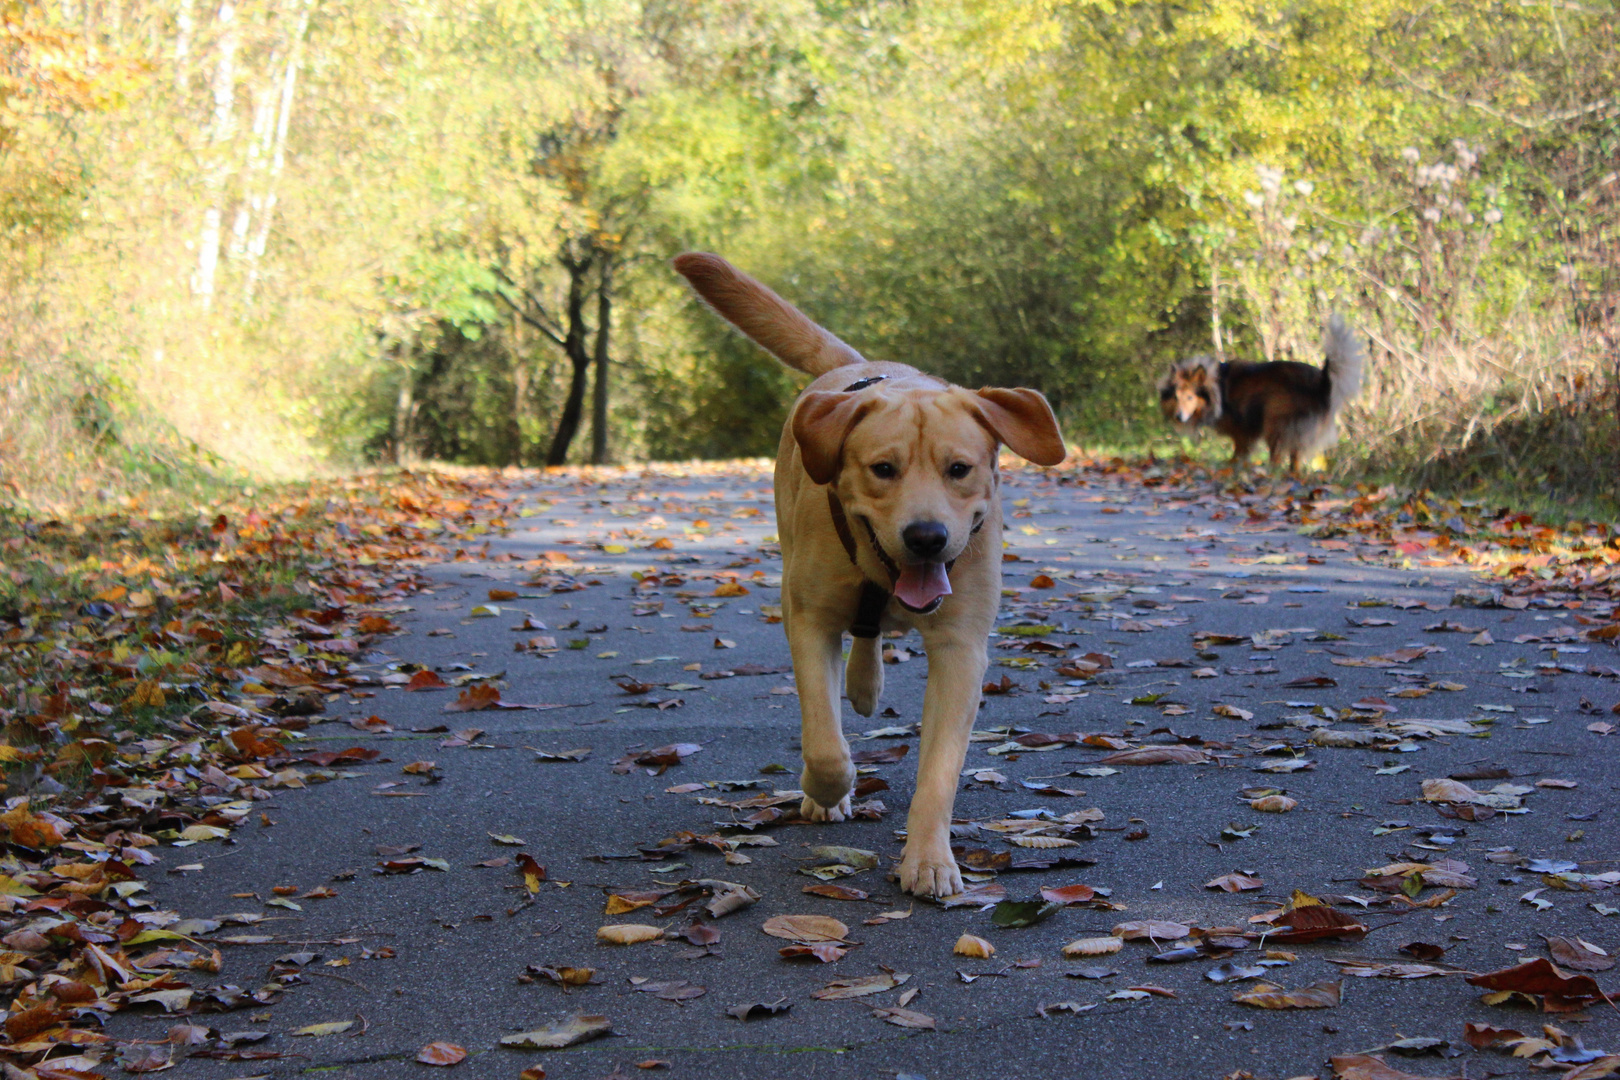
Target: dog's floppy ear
821	423
1023	420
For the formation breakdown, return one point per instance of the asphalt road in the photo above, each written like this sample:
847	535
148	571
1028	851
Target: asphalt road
1120	555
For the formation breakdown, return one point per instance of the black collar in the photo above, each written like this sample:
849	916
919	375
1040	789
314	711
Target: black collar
864	383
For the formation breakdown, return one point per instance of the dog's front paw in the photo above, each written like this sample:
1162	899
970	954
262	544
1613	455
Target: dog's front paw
827	785
930	875
814	811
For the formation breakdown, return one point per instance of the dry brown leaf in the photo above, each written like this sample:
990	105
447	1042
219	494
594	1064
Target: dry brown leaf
1315	922
1557	990
806	928
575	1029
969	945
441	1053
844	989
1069	894
1093	946
1366	1067
628	934
1151	929
1157	755
1235	883
1044	842
905	1018
1265	995
1578	955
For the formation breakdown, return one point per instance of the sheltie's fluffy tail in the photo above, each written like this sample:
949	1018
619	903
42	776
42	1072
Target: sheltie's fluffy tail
1345	358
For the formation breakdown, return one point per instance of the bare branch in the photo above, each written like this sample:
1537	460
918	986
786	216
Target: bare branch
552	332
545	330
1527	124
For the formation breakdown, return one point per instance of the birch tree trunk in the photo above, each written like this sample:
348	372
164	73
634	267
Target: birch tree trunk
258	158
185	25
278	149
220	132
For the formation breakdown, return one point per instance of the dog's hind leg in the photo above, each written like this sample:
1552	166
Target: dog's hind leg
1241	447
828	775
863	674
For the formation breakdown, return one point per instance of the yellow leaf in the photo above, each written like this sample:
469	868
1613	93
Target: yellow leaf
628	934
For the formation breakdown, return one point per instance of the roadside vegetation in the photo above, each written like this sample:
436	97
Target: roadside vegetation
266	240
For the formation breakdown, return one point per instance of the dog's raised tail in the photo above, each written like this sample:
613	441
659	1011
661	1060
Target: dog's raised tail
774	324
1345	358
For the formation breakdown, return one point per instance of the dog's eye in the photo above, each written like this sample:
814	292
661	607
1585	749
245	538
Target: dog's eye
884	471
959	470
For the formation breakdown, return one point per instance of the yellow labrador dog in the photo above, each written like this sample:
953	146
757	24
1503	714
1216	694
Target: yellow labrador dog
888	505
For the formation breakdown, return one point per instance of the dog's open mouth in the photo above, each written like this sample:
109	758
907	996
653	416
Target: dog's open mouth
921	586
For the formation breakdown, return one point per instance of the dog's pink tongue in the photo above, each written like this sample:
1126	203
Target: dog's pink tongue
921	584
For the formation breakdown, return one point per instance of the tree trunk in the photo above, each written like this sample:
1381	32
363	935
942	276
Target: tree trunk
184	27
278	153
604	322
520	404
578	357
220	132
404	409
258	154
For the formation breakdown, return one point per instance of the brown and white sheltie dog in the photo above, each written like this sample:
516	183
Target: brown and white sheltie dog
1292	406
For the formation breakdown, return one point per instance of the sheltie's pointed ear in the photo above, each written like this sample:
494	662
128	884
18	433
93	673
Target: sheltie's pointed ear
821	423
1023	420
1199	375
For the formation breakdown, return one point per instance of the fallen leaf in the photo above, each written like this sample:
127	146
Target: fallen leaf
1314	922
676	990
1265	995
1157	755
844	989
1366	1067
1151	930
1557	990
825	951
759	1010
628	934
1069	894
835	892
887	756
1016	913
475	699
1578	955
1234	883
575	1029
442	1053
806	928
969	945
905	1018
1093	946
426	680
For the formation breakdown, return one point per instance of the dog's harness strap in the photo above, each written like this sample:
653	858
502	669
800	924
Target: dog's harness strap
874	597
841	524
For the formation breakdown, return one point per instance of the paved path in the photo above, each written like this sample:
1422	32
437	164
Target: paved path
1136	572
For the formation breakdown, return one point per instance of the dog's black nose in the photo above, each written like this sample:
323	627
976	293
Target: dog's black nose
925	538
